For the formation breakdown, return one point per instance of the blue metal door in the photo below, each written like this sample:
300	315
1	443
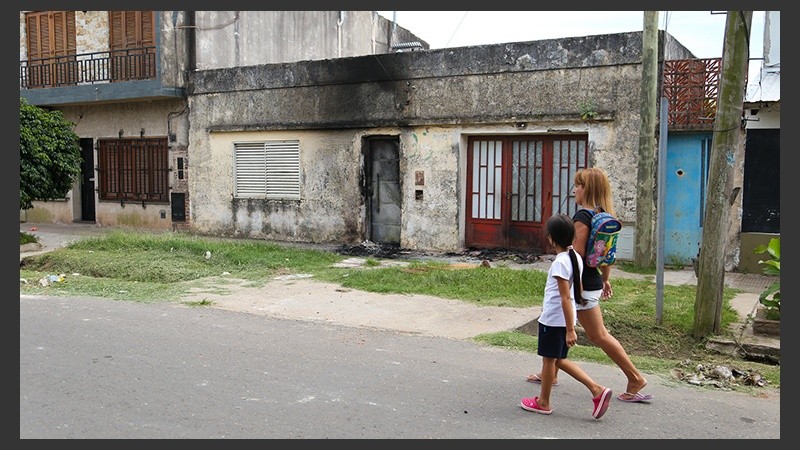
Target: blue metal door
686	182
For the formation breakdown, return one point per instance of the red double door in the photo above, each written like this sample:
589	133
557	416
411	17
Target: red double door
515	183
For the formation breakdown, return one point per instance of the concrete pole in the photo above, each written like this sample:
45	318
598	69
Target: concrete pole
643	250
729	132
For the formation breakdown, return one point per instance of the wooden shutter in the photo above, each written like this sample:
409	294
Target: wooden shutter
132	42
135	169
51	47
50	33
131	29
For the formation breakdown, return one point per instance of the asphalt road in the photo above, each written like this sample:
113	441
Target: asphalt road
97	368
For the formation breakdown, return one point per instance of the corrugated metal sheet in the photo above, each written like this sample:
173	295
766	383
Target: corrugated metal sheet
766	88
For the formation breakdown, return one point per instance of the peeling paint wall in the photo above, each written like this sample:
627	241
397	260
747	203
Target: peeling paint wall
433	100
173	47
106	120
53	211
330	208
23	38
431	222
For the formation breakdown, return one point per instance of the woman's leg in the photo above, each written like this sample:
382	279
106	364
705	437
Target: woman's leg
592	322
536	377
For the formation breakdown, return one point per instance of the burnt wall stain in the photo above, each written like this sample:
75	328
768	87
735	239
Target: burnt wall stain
477	84
549	54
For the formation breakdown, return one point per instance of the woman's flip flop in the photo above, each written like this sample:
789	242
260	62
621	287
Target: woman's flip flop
533	378
634	398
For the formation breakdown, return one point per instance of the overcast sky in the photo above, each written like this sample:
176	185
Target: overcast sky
702	32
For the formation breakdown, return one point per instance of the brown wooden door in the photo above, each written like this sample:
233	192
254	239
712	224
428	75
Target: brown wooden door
514	184
51	43
132	38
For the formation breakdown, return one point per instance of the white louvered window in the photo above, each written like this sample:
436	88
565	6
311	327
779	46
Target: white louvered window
268	170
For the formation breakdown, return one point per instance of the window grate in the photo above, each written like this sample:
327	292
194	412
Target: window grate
133	169
268	170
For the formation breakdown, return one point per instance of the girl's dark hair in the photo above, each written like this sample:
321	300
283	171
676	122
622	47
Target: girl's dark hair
561	230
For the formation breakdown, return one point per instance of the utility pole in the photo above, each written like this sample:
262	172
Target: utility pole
729	135
643	250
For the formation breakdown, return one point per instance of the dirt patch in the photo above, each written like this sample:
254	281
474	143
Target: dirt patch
393	251
30	247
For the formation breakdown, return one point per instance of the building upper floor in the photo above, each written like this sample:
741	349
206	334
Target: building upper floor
74	57
79	57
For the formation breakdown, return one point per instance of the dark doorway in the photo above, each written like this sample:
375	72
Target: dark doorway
761	199
87	180
383	190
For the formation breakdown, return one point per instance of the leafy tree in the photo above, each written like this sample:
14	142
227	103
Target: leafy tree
49	155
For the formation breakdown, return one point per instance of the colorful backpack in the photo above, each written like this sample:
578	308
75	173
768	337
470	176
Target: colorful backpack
601	250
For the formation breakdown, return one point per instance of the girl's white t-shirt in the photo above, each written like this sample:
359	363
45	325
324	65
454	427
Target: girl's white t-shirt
552	314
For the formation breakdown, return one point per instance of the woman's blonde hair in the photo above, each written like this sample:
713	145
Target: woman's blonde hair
596	188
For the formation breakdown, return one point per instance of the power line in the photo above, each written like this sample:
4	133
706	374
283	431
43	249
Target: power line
457	27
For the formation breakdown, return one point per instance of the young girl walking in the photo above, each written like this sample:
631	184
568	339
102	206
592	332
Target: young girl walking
557	321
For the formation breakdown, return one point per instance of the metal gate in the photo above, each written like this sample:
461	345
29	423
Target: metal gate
686	182
383	197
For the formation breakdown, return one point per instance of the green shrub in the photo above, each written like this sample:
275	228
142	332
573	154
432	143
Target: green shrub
771	296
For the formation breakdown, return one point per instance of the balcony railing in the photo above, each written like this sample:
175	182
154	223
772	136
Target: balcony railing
88	68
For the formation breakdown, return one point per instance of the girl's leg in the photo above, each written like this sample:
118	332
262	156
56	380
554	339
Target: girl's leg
592	322
600	395
576	372
548	374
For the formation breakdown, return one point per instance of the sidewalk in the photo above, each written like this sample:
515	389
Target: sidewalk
304	299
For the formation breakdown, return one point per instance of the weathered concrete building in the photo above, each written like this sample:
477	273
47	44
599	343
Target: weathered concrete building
453	133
